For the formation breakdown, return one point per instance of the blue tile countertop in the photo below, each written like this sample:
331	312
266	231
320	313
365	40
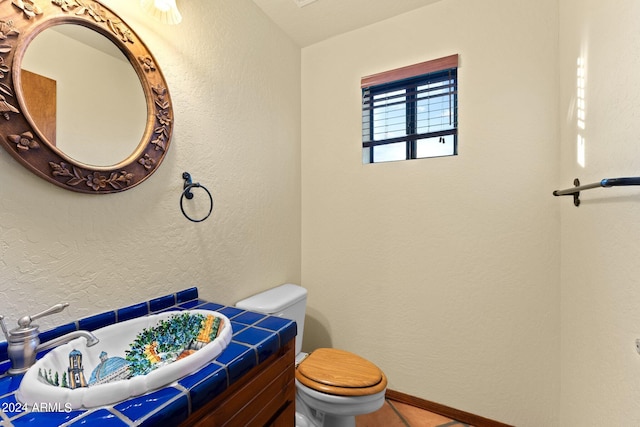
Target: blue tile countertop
255	338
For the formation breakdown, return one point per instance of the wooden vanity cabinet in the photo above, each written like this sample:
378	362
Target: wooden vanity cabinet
265	396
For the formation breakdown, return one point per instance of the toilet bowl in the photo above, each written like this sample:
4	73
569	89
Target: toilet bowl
315	409
332	385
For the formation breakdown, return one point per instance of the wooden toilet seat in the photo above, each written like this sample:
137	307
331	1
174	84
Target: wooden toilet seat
340	373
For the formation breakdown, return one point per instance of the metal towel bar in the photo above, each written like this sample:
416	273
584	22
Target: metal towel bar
607	182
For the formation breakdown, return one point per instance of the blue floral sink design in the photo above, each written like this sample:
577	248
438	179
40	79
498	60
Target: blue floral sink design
132	358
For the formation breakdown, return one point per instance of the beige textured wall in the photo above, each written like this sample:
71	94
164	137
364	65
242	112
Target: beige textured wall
444	272
235	83
601	238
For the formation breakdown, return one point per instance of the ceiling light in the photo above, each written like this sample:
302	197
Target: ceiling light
164	11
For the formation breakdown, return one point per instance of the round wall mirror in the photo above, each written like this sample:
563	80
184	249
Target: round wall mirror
60	67
83	103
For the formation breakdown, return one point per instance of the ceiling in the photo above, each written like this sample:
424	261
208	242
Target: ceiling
321	19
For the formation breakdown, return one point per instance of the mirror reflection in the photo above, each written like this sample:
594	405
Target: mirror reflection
83	95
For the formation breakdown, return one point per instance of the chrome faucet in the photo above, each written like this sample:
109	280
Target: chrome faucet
24	341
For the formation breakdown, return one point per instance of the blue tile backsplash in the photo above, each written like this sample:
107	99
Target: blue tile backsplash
255	338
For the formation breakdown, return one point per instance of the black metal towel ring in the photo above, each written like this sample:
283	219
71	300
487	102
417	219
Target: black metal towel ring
186	192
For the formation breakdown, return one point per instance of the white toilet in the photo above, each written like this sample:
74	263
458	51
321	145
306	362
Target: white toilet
332	386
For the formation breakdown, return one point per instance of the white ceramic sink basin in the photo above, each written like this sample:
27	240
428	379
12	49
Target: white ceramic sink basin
132	358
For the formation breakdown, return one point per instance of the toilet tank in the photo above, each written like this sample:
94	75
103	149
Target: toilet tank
288	301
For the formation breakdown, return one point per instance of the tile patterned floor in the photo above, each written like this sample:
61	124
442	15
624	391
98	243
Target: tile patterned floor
396	414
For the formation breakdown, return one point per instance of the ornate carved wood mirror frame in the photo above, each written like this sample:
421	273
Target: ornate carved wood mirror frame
20	22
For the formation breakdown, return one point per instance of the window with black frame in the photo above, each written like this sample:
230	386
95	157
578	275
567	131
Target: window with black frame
411	112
